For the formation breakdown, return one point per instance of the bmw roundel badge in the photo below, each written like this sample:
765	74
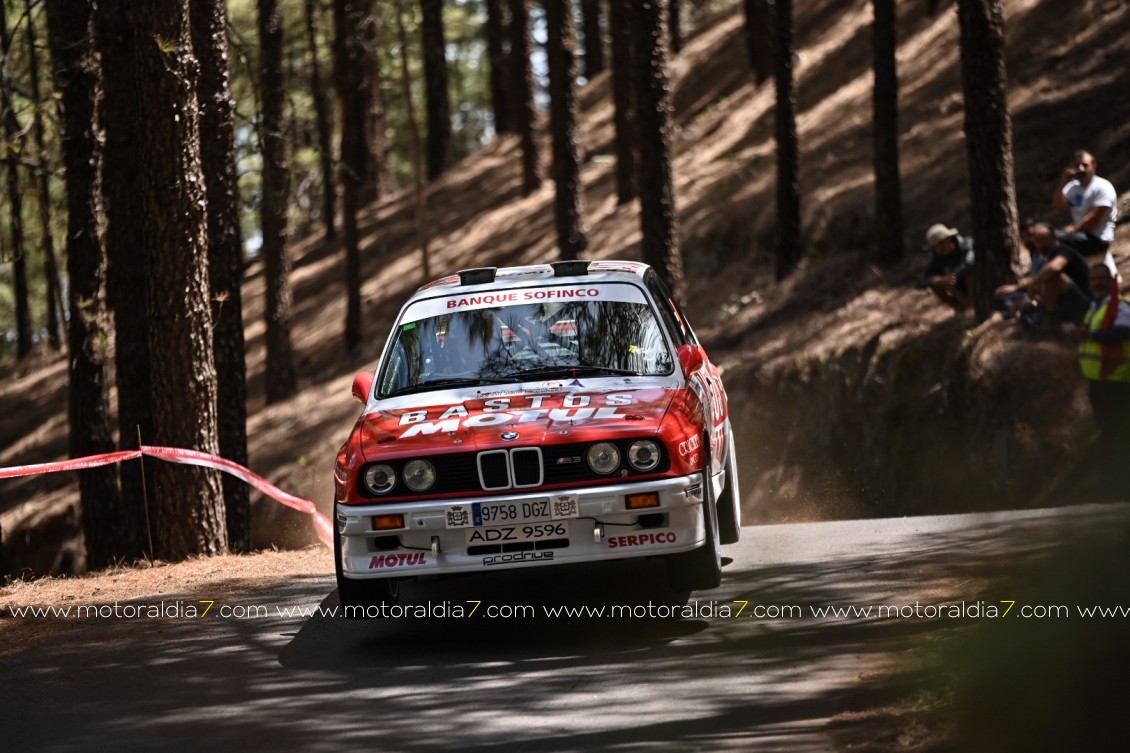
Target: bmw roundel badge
510	435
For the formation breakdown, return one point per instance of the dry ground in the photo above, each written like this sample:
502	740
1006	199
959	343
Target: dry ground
225	576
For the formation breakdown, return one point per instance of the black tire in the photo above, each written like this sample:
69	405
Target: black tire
362	599
700	569
730	501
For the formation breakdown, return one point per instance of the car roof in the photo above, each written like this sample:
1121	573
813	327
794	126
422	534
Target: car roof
495	278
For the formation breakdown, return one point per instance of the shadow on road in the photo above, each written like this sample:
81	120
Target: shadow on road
715	681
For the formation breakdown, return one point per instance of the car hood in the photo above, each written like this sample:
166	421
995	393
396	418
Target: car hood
467	421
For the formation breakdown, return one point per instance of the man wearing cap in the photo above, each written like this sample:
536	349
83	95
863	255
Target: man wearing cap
1093	205
949	273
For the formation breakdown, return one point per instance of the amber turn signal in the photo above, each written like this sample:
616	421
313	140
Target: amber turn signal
639	501
387	522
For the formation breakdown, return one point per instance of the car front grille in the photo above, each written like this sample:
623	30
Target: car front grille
494	470
504	469
514	468
527	466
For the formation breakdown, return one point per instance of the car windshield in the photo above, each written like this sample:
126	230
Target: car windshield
537	333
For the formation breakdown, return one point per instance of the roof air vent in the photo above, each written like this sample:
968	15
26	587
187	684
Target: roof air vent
477	276
578	268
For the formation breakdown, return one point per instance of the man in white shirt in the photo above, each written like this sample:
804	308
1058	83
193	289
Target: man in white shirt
1093	205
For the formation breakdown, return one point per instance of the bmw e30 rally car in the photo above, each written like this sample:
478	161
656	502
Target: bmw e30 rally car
532	416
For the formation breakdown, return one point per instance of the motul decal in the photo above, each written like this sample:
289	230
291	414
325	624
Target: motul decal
398	560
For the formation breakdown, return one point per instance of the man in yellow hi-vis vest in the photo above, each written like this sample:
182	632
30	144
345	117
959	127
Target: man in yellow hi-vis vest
1104	356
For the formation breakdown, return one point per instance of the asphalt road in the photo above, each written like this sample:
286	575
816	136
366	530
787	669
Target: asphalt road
778	676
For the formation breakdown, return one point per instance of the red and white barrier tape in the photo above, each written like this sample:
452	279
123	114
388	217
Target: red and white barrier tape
322	525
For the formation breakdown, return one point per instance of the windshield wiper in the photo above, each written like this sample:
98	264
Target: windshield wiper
450	382
571	371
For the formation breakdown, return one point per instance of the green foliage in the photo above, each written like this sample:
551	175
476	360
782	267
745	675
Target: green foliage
16	79
472	117
469	93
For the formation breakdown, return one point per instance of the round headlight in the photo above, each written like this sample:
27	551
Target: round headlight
603	458
644	455
419	475
379	479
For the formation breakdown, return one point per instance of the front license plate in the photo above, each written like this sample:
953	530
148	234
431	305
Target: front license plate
526	532
487	514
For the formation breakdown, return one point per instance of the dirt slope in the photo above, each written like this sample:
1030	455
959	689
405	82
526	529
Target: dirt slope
1067	90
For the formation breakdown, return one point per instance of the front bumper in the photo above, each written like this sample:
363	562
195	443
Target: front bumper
602	528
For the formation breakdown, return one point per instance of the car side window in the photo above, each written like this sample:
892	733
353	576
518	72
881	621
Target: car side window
395	375
669	310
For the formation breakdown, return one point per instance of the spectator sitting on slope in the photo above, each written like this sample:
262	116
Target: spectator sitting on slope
949	273
1062	287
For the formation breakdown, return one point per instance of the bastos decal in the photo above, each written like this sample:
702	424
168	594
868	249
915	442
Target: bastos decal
570	408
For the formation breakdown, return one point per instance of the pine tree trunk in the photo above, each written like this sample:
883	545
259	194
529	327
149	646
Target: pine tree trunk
378	176
128	254
189	501
13	154
322	120
18	255
522	86
435	86
788	189
355	89
623	98
414	148
657	197
675	26
225	254
759	38
499	66
70	32
594	41
559	49
988	140
281	380
889	244
53	293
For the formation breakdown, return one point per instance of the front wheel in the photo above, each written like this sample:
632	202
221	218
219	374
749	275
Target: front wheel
730	501
362	599
700	569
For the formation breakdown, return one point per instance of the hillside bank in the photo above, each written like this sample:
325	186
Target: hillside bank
853	394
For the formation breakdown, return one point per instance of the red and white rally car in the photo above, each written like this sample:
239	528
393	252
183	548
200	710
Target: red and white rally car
533	416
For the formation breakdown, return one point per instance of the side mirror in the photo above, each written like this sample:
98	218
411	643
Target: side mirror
363	385
690	358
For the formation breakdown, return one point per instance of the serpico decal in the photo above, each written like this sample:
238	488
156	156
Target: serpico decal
642	539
